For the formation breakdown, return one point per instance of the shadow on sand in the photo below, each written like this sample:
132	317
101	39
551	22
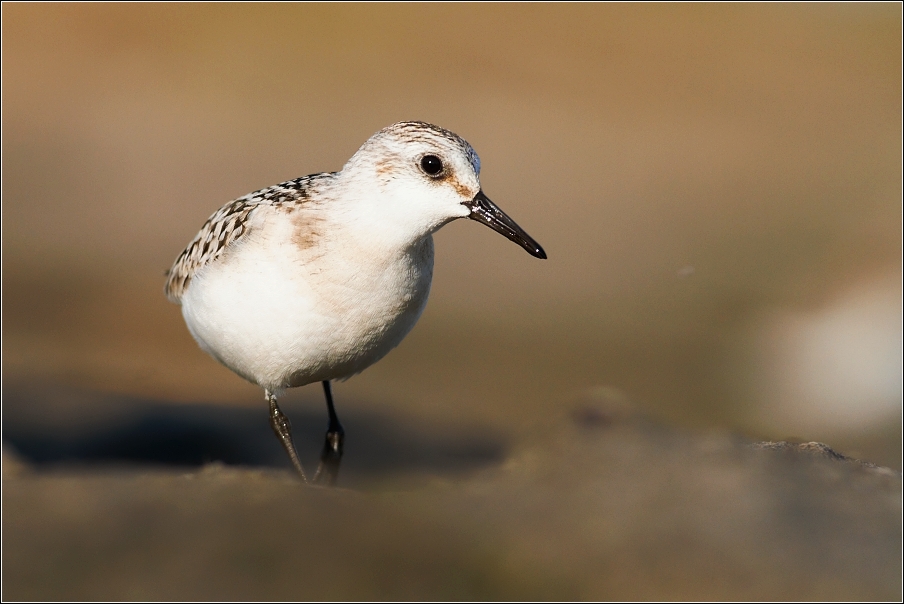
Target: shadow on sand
59	427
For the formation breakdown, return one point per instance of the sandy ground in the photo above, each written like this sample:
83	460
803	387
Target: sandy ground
608	506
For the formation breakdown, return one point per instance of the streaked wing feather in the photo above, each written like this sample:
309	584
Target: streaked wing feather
227	225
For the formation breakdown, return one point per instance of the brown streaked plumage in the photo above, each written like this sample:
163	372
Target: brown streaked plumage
228	224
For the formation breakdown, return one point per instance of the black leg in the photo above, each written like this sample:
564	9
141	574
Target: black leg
283	429
331	456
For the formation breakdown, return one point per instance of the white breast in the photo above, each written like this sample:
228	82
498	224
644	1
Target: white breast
282	314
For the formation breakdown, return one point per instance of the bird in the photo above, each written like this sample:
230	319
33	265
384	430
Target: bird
317	278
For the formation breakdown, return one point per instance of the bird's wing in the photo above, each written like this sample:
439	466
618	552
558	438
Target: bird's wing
228	225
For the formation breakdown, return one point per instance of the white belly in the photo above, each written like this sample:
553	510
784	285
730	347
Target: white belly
282	317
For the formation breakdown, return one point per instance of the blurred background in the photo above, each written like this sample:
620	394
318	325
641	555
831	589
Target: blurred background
718	189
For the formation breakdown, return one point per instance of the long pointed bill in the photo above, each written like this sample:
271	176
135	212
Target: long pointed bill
485	211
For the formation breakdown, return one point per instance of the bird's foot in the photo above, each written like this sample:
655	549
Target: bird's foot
282	427
330	457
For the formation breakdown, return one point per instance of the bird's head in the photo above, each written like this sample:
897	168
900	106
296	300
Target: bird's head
424	177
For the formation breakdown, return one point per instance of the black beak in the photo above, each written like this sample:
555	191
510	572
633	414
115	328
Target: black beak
485	211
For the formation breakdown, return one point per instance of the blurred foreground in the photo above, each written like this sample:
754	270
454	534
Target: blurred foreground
608	505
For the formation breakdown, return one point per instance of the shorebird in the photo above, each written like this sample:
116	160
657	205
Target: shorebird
317	278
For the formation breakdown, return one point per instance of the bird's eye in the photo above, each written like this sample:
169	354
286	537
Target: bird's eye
431	165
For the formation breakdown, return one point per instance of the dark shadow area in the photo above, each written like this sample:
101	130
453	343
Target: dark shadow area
59	427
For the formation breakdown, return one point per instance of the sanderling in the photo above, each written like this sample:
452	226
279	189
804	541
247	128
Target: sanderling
317	278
